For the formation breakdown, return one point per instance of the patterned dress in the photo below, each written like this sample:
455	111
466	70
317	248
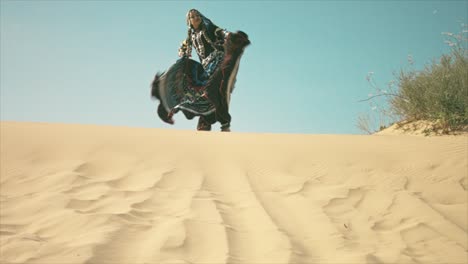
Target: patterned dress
208	42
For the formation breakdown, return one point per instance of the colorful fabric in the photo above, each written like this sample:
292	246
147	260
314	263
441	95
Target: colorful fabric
187	87
182	87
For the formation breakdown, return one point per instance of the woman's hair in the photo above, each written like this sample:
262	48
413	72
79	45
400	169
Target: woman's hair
187	17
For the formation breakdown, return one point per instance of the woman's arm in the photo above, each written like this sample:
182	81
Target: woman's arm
185	49
221	33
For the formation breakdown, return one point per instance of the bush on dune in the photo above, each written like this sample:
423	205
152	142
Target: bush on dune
438	94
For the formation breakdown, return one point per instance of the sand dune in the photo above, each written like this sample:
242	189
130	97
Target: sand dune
96	194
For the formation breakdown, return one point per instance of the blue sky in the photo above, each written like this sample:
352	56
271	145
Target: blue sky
92	62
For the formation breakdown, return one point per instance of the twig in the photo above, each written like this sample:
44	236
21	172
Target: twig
387	94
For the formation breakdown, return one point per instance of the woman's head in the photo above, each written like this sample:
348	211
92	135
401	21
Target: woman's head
194	18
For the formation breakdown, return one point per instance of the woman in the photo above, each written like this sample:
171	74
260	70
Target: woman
208	40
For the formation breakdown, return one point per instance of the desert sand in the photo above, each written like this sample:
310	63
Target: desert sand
102	194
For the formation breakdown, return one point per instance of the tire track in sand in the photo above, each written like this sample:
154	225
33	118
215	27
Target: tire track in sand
252	235
313	236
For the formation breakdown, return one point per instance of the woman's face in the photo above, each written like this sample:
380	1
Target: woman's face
195	19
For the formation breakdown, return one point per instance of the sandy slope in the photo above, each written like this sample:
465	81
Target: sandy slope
90	194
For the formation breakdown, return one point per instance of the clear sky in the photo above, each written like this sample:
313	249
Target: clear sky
92	62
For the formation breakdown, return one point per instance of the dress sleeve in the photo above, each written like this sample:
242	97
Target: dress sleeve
220	33
185	48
